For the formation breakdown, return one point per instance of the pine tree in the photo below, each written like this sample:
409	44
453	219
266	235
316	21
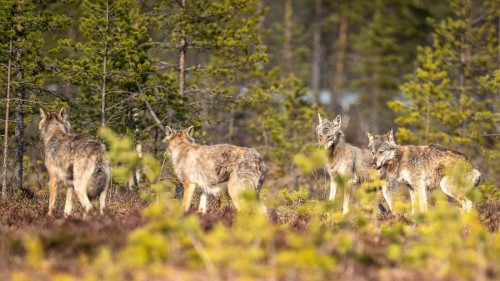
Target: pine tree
28	67
105	62
444	101
385	46
215	49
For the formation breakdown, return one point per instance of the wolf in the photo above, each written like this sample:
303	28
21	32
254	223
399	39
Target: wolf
421	169
79	162
212	167
343	159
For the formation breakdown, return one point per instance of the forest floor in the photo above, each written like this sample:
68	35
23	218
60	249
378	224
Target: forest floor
65	241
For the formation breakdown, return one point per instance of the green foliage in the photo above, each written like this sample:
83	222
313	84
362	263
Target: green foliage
444	101
317	158
125	161
285	117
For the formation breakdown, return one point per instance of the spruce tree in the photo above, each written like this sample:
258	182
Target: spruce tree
385	45
215	49
101	60
28	67
444	101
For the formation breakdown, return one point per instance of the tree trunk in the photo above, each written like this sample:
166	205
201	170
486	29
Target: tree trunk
287	35
339	66
182	56
6	129
316	65
104	71
465	60
19	132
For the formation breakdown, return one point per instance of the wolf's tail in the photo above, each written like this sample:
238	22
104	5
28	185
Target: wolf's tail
477	178
100	178
262	167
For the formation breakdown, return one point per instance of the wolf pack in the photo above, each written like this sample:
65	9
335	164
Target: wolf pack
80	163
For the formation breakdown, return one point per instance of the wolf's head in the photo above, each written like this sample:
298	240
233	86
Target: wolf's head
329	132
53	122
174	137
383	148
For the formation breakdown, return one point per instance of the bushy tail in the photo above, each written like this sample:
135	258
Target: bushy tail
100	178
263	173
477	179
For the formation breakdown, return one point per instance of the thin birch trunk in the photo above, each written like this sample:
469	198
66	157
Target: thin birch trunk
287	34
182	56
104	70
339	66
316	64
19	131
465	59
6	129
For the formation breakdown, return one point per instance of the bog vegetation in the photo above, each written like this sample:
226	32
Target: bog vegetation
250	73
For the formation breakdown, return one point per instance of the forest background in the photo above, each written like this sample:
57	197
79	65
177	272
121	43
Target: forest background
250	73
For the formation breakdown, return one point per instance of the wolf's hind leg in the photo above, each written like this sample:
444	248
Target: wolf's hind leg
69	202
52	194
80	185
102	200
451	190
235	196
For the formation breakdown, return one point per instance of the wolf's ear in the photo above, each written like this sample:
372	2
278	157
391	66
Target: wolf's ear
390	137
337	122
370	137
189	132
169	131
63	114
320	120
44	114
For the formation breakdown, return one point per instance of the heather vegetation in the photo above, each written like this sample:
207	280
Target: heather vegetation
255	74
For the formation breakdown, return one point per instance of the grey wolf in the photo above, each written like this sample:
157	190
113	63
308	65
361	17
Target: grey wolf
77	161
212	167
344	159
421	169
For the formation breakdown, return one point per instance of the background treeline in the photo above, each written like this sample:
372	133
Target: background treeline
252	73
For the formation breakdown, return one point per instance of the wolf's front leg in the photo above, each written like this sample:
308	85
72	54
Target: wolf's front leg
52	194
422	198
333	187
347	198
188	195
413	197
69	202
388	196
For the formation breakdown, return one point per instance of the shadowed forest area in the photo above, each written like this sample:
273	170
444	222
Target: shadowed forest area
252	73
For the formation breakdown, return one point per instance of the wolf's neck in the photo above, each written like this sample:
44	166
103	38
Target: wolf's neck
394	166
338	147
179	151
53	134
